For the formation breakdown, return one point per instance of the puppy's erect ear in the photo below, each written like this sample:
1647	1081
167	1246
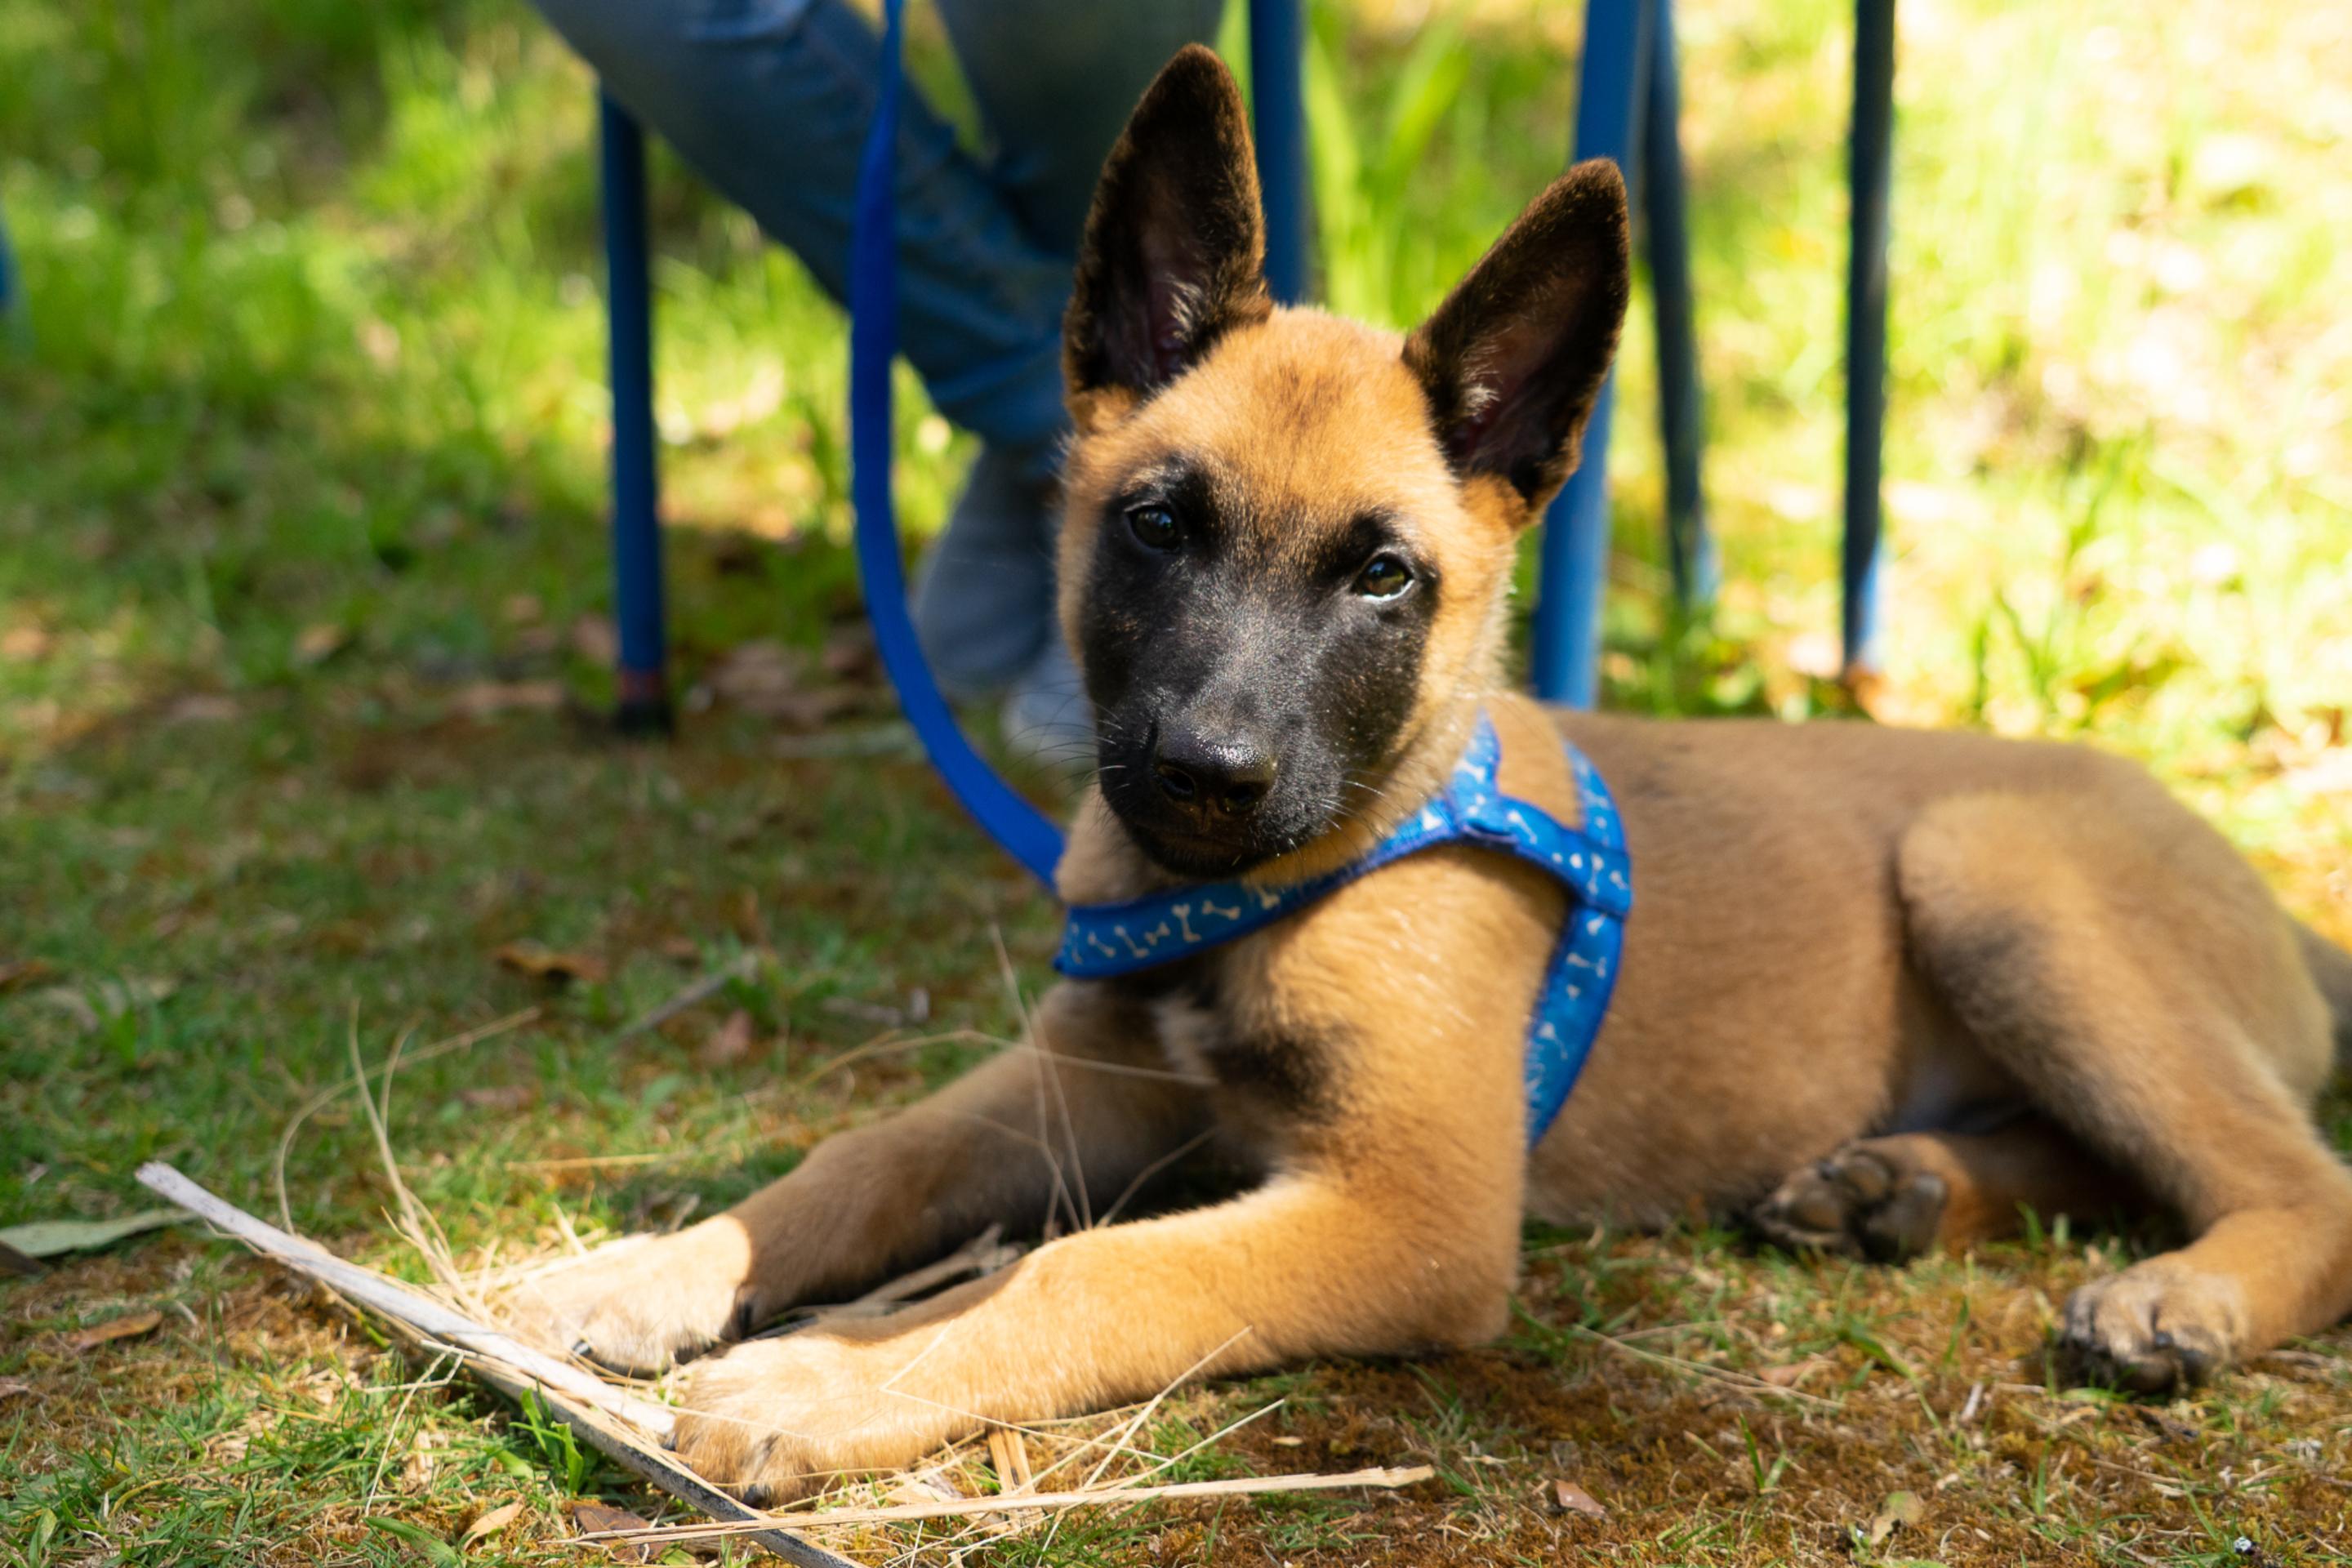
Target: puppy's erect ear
1513	358
1175	247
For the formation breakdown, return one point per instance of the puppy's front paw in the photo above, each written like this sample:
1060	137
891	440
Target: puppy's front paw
775	1419
638	1306
2157	1327
1860	1201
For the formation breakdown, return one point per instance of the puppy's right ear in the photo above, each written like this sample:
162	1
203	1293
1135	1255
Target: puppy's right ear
1174	251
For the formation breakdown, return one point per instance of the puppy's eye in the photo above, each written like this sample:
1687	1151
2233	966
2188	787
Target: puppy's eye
1155	527
1383	577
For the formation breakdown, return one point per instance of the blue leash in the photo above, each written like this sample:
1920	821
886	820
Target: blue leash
1026	833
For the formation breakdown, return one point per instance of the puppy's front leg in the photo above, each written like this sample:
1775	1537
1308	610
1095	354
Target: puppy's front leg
1066	1123
1311	1264
1392	1225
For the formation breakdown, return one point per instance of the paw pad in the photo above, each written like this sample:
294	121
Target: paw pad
1855	1203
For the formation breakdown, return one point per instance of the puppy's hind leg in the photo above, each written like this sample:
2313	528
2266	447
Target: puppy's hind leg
2127	968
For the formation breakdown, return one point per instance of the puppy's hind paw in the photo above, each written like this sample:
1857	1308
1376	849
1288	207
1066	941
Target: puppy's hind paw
1858	1202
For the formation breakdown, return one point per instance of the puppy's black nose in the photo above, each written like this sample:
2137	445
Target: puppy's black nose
1212	777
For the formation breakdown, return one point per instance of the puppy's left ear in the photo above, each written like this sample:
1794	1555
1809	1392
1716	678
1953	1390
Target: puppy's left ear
1174	250
1515	358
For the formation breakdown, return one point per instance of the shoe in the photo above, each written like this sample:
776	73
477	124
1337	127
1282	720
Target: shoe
983	603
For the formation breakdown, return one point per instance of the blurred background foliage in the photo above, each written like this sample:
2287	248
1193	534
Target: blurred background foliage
313	293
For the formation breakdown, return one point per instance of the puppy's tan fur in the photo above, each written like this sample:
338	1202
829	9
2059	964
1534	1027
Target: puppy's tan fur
1890	987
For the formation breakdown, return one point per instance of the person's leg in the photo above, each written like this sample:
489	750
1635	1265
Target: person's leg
770	101
1055	82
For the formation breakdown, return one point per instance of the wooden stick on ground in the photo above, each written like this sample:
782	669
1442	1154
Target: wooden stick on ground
621	1427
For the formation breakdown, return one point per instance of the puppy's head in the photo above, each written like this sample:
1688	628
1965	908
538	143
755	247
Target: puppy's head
1288	537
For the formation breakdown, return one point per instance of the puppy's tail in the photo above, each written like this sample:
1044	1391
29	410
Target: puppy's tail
2331	966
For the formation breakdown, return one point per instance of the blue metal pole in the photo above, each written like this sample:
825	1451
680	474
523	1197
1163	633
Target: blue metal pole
643	693
1277	42
1575	559
1667	238
1871	173
8	273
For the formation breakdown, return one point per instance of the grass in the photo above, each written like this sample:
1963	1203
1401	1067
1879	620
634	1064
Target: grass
301	558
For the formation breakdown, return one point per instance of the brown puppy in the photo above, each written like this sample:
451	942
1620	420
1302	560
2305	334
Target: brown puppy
1936	978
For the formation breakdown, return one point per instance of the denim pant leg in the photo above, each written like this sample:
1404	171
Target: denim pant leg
770	101
1056	81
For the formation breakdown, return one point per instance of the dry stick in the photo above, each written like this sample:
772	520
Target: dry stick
383	1294
613	1423
1238	1486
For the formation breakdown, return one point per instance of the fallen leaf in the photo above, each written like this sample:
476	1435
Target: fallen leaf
11	1388
23	972
542	962
1901	1510
728	1043
1567	1497
489	699
316	645
490	1524
591	1517
129	1326
497	1096
46	1238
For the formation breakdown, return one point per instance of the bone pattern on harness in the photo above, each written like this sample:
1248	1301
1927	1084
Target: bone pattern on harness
1101	942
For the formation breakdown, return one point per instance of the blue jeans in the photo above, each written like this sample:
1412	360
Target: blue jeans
769	100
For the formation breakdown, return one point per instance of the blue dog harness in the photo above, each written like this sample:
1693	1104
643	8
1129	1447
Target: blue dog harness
1101	942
